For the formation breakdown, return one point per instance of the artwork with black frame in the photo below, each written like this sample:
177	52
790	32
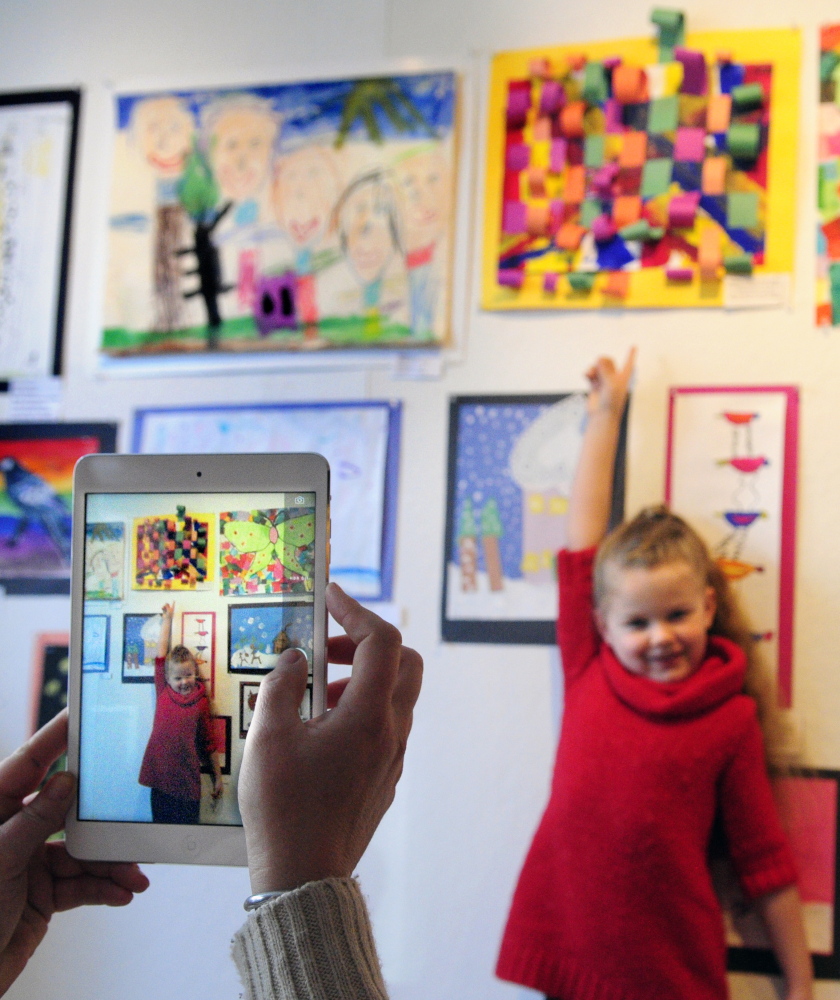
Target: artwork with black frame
38	141
809	802
510	467
36	488
224	721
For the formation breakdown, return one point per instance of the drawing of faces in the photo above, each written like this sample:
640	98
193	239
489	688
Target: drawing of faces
241	136
423	184
163	129
367	226
306	187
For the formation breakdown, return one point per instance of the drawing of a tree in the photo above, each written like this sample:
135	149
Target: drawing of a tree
198	192
366	97
491	532
468	547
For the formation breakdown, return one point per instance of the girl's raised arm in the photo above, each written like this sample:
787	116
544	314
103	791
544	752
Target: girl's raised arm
165	630
591	497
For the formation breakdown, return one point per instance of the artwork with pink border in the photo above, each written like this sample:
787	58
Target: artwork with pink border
808	806
731	472
198	634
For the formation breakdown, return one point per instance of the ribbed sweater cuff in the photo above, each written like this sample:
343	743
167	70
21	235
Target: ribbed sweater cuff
313	943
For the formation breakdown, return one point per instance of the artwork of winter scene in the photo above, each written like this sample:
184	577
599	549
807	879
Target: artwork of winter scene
259	633
511	463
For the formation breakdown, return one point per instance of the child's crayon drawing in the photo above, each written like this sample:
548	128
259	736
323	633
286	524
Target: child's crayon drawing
259	633
172	552
104	561
267	551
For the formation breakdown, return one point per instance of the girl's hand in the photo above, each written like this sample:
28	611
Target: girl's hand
218	787
608	385
168	611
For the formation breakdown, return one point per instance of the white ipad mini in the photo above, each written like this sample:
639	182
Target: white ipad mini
191	574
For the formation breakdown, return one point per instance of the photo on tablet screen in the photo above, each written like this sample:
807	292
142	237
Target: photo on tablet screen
189	600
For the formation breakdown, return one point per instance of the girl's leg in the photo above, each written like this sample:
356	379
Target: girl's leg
171	809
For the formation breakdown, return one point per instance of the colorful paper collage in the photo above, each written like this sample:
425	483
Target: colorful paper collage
614	178
283	217
258	634
731	471
104	561
808	807
267	551
511	462
172	552
828	180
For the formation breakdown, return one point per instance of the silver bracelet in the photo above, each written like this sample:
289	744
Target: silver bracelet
252	902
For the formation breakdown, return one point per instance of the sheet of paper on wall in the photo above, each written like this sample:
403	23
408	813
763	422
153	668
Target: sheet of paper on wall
359	440
37	148
641	175
285	217
510	470
828	179
731	471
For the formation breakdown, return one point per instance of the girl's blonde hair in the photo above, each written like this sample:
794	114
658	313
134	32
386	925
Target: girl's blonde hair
656	536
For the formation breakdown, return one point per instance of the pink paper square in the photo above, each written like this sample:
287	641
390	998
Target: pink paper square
690	145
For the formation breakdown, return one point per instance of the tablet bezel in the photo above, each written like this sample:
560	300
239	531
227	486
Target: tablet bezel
125	474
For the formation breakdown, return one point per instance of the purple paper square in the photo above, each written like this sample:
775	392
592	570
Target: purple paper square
514	217
518	156
690	145
694	70
557	156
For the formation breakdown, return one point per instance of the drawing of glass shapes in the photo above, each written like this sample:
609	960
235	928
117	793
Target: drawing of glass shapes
172	552
95	636
731	472
198	634
140	640
258	634
511	462
267	551
104	561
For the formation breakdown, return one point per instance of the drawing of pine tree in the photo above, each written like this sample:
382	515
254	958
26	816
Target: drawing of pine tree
468	547
491	532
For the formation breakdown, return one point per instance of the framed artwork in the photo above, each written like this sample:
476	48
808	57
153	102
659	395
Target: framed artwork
36	462
361	442
283	217
95	644
258	634
49	677
626	174
828	180
267	551
510	468
104	561
140	642
38	139
172	551
198	634
221	737
248	691
808	805
731	472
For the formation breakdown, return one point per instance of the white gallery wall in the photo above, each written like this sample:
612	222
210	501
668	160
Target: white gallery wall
441	869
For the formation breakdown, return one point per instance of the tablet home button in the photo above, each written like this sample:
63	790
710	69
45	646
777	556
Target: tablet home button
189	843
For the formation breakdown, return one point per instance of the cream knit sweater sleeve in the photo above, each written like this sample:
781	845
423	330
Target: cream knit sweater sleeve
313	943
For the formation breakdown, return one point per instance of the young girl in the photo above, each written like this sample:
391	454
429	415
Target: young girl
180	738
615	900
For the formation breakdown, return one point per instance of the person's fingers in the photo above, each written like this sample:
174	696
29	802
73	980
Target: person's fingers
24	770
377	656
123	873
88	890
340	649
629	364
26	831
335	689
407	688
282	691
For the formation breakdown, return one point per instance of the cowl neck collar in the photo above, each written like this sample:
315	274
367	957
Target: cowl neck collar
719	677
195	695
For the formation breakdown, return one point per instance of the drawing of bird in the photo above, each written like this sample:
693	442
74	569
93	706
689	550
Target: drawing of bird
38	502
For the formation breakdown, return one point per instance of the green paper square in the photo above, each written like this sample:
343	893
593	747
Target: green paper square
589	212
663	114
594	147
742	210
656	177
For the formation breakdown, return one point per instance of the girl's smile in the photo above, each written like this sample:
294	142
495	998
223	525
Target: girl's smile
657	619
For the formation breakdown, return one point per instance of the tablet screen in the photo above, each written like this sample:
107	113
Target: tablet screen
164	717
